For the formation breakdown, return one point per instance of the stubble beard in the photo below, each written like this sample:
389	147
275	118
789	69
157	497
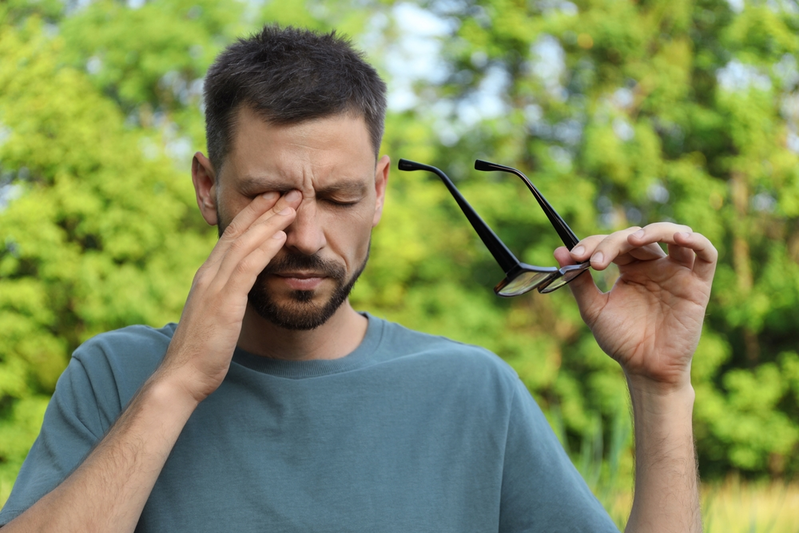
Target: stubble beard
300	312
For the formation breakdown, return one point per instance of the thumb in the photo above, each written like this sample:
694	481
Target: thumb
588	296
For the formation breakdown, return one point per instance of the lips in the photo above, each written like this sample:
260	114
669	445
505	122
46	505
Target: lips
301	272
299	275
301	281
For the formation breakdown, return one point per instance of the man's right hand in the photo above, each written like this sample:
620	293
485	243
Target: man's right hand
199	355
107	492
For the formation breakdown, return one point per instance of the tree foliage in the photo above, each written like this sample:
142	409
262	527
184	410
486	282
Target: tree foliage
633	112
621	112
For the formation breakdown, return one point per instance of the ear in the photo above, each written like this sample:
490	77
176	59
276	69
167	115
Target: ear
204	179
381	178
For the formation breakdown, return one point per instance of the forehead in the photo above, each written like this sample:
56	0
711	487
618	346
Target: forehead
329	151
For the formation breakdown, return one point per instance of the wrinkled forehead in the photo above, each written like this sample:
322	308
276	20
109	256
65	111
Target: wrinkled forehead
345	185
333	152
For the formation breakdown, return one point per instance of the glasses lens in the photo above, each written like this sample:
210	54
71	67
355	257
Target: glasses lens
568	273
524	282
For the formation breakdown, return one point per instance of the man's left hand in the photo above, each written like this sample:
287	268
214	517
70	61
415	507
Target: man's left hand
651	320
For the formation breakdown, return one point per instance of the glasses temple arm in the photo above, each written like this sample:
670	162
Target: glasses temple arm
501	253
564	231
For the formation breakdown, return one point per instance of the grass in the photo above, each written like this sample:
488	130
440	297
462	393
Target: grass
733	506
739	507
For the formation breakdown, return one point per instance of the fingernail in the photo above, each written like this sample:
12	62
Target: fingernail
280	235
578	251
293	196
638	234
270	195
597	258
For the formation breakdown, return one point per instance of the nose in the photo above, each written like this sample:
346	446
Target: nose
305	234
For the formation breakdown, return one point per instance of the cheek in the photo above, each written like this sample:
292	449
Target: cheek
349	235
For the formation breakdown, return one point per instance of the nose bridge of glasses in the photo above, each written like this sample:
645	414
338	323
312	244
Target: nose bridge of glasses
501	253
564	231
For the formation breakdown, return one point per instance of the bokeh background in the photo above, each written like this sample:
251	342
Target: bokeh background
623	112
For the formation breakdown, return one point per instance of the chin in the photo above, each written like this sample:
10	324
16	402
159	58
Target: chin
299	310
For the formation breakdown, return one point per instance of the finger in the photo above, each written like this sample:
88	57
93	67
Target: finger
588	296
250	213
583	249
644	253
681	255
243	219
686	247
246	271
635	244
563	256
657	232
258	210
602	250
665	232
706	255
261	209
260	230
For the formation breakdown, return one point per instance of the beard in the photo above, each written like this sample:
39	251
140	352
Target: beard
300	312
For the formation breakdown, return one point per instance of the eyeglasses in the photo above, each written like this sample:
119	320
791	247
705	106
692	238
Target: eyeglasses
519	277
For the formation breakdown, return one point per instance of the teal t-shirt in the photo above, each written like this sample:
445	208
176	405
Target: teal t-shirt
408	433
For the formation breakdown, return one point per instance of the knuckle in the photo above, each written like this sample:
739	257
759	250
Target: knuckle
233	229
202	278
245	267
237	245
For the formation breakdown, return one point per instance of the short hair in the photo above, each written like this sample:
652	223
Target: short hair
289	75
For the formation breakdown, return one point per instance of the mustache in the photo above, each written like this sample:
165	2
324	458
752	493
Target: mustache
291	262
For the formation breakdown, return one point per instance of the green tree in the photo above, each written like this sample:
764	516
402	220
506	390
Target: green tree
93	212
628	113
99	114
621	112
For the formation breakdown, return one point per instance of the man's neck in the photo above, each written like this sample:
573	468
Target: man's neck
334	339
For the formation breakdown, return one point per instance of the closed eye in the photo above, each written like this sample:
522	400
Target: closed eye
341	203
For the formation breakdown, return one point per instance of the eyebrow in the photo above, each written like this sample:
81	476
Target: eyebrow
250	183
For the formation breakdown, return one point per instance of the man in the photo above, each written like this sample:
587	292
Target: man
274	405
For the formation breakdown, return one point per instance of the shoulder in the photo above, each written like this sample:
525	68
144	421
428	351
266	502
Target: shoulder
437	352
143	336
138	342
118	362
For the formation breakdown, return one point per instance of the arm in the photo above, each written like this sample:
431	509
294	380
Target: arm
650	322
108	491
666	476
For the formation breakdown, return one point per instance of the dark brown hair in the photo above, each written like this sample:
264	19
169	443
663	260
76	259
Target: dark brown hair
288	75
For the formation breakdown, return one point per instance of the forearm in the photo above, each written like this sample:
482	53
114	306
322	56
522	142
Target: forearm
107	492
666	477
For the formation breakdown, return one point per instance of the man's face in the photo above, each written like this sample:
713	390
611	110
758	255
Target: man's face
331	163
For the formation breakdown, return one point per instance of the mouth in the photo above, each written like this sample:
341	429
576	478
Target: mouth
299	275
301	281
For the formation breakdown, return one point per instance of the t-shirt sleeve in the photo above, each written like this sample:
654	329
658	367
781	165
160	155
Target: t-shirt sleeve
71	427
102	376
541	488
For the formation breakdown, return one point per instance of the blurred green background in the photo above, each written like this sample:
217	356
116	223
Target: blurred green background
622	112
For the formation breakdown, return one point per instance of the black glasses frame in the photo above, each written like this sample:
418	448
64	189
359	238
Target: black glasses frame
520	278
